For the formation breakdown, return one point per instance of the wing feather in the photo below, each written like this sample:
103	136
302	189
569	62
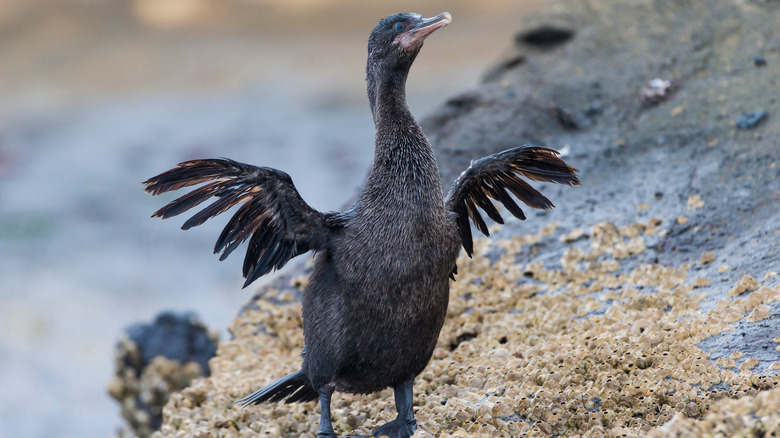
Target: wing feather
480	195
524	192
498	175
498	193
238	229
272	215
476	217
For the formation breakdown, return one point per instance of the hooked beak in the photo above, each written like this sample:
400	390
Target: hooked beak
414	37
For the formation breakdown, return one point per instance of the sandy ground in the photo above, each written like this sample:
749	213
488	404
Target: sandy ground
99	96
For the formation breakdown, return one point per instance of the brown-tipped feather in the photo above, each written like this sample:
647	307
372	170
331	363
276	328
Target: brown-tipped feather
476	217
543	164
524	192
238	229
490	178
480	196
272	216
190	173
498	193
228	198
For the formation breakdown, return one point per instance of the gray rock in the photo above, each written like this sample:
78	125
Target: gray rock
751	120
630	154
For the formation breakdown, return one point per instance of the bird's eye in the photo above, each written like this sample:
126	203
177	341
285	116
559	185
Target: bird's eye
399	27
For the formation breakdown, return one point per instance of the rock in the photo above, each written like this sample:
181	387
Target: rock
655	91
180	337
632	155
516	353
155	360
545	37
567	119
751	120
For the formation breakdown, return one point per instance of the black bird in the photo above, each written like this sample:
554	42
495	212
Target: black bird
376	301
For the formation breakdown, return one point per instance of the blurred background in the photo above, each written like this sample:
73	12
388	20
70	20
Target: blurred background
98	95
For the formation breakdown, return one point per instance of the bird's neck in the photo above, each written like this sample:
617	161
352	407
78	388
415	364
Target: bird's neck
398	135
404	163
387	95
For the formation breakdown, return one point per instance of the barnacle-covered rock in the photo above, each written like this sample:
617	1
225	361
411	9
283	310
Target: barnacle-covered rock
550	362
155	360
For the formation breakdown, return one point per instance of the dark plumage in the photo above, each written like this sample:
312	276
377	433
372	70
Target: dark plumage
376	301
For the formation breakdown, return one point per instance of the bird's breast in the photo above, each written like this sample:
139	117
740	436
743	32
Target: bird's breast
400	244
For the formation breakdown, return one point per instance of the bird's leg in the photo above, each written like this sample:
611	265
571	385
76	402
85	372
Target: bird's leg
326	428
404	425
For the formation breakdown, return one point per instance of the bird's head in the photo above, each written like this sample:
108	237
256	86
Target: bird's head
396	40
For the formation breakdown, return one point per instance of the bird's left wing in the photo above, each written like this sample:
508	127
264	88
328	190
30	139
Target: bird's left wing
492	176
280	223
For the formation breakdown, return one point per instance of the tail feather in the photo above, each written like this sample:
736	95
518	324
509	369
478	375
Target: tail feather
295	387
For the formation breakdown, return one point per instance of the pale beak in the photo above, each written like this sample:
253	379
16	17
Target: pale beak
414	37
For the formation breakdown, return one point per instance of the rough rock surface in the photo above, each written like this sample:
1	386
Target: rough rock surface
155	360
646	303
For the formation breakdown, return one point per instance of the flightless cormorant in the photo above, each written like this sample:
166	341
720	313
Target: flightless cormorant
377	298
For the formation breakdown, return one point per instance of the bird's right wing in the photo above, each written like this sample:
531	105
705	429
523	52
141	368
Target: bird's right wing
280	223
492	176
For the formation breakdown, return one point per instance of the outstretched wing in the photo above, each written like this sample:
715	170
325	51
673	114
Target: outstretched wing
492	176
281	225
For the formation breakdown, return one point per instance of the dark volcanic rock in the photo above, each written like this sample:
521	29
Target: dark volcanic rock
751	120
155	360
681	147
545	37
180	337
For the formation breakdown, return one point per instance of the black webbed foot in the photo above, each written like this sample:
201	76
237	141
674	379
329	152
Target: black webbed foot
397	428
327	435
404	425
